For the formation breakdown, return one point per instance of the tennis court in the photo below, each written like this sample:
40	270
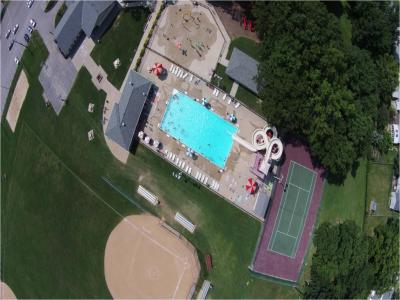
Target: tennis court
293	210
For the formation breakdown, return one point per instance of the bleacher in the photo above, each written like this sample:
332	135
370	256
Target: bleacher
147	195
184	222
204	290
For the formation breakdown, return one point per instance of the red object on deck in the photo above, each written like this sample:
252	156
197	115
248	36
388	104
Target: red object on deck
244	19
251	25
157	69
251	186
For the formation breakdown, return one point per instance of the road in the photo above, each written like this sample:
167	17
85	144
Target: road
18	12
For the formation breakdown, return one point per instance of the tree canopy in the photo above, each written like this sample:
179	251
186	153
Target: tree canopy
318	88
349	264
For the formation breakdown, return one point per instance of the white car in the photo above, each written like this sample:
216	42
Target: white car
29	3
8	33
15	28
16	60
32	23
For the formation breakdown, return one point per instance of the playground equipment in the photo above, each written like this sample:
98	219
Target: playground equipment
264	139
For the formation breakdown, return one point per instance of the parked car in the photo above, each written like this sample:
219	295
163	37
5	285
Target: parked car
30	29
8	33
15	28
30	3
32	23
10	45
26	37
16	60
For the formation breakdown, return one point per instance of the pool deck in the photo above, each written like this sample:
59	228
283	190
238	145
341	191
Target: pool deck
237	169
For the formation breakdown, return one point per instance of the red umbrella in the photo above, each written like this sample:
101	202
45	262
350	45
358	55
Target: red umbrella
251	185
157	69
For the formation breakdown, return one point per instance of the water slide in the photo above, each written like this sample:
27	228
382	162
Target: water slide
244	143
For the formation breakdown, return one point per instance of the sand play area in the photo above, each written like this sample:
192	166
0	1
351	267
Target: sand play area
17	100
188	35
145	260
6	292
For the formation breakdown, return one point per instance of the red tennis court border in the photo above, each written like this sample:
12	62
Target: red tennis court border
274	264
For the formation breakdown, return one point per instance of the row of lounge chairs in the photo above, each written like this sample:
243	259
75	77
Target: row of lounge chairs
180	73
178	162
225	96
215	185
201	177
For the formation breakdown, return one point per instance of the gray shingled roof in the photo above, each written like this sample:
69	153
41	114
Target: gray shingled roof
243	69
80	16
261	206
126	114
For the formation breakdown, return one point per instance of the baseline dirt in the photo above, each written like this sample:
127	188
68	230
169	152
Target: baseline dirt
17	100
145	260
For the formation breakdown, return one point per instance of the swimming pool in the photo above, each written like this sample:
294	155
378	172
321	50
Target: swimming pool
198	128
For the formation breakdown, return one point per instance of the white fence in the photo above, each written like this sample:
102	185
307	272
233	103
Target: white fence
147	195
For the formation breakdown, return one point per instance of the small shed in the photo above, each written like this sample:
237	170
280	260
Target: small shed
372	206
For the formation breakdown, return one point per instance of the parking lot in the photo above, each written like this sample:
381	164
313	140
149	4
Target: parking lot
18	13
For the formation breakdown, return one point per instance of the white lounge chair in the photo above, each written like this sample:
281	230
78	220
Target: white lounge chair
171	67
184	76
229	100
190	171
217	93
191	78
237	105
183	165
206	180
224	97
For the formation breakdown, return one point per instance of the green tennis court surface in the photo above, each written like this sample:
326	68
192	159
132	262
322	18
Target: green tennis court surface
293	210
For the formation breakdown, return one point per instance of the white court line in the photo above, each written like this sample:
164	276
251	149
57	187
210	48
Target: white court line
304	167
294	209
287	234
270	245
300	188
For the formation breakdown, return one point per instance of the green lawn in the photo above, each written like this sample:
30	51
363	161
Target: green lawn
225	83
57	211
379	186
121	41
250	99
248	46
60	13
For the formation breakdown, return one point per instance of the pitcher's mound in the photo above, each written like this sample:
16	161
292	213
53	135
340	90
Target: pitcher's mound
6	292
145	260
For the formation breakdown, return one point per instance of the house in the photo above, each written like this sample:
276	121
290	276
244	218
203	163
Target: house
84	18
385	296
243	69
126	113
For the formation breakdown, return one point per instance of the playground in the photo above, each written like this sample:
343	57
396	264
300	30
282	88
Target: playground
188	35
143	259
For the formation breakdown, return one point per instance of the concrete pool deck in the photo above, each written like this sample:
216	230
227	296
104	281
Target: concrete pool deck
233	179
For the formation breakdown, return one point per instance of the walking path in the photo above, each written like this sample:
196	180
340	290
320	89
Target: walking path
234	89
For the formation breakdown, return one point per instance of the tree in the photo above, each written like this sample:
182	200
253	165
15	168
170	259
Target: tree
375	26
348	263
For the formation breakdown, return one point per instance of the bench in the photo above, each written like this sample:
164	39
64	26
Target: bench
208	260
147	195
184	222
204	290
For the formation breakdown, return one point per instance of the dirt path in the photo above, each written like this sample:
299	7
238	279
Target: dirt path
17	100
145	260
6	292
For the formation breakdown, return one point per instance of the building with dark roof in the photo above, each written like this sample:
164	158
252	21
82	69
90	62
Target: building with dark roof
126	114
90	18
243	69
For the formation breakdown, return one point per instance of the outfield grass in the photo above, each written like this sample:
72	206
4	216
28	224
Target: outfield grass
225	83
248	46
250	99
121	41
57	211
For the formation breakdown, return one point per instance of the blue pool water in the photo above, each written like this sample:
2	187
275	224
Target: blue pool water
198	128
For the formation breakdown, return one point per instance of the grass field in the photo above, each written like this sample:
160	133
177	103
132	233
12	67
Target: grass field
57	211
379	186
225	83
250	99
121	41
248	46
